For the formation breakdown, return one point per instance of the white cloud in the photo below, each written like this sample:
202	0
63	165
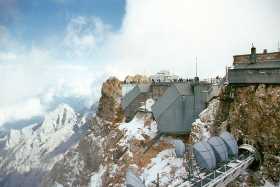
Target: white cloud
24	109
37	88
34	80
84	35
7	56
169	34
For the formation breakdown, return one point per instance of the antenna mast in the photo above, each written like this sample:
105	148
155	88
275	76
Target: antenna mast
196	66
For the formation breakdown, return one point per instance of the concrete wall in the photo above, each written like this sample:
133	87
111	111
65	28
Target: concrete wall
158	89
245	59
213	92
199	100
178	117
251	76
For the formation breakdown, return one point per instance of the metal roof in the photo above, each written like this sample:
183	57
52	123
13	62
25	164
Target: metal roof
230	143
165	101
171	94
204	155
219	148
183	88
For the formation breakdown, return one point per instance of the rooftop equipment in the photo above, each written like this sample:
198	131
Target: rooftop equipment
253	55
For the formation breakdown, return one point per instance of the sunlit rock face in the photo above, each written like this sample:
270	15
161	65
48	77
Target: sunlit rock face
254	112
109	104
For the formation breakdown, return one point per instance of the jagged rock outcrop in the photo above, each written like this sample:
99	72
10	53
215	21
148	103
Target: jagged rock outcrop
109	108
89	160
254	112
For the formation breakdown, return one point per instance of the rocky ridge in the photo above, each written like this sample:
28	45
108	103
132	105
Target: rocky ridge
29	153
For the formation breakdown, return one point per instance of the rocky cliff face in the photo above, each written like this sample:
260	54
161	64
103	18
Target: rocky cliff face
253	112
89	161
109	108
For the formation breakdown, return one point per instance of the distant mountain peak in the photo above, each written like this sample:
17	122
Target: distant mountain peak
33	150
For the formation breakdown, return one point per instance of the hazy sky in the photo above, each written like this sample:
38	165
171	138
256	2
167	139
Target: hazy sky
66	48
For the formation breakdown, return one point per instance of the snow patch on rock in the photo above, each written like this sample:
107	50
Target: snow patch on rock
135	129
96	178
167	166
202	126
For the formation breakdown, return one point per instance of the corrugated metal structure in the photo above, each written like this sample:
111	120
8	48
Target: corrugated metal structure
180	105
210	163
219	148
133	99
204	155
255	68
230	143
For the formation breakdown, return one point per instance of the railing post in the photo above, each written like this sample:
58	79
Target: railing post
214	174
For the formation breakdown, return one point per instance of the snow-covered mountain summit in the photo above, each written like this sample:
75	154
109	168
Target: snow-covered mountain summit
29	153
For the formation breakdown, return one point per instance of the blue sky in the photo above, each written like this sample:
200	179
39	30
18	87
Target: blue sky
33	20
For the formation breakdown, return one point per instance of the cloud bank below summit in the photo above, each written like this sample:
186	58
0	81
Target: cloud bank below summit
155	35
36	79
